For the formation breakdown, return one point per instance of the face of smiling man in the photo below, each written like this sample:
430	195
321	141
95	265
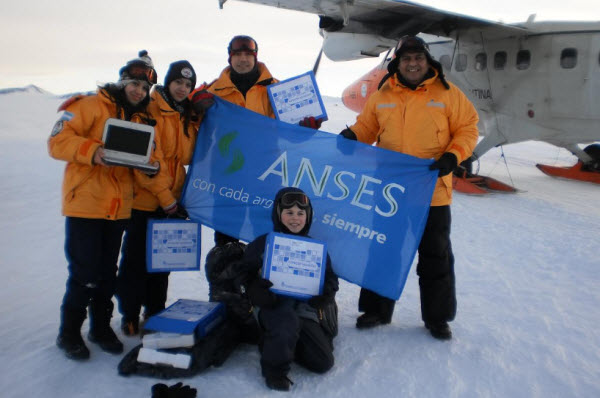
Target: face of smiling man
413	67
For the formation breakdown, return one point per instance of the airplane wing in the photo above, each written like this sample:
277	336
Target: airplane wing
390	19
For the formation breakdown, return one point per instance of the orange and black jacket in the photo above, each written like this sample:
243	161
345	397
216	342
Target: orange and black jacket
89	190
425	123
174	150
257	98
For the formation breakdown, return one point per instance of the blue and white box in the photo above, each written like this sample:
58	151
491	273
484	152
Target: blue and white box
296	98
172	245
295	265
187	317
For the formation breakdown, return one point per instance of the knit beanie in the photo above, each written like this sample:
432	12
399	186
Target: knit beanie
178	70
140	68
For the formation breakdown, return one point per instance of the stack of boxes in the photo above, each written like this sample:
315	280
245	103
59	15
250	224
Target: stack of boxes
181	325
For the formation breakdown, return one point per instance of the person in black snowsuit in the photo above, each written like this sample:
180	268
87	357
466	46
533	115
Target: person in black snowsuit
292	329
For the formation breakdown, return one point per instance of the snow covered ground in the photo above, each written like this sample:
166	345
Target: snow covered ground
528	322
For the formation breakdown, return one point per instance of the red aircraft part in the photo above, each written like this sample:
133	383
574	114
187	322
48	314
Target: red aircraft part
474	184
577	172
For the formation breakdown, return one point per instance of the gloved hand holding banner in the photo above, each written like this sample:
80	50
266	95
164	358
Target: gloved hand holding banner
370	207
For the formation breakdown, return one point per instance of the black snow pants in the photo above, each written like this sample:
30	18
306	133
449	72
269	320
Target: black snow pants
136	287
288	337
435	269
92	250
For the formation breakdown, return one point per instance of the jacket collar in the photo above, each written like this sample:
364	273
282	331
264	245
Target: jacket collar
395	83
224	81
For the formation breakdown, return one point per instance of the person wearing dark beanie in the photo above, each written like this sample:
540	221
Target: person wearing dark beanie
180	69
157	197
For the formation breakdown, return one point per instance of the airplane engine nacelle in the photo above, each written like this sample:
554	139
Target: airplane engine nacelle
340	46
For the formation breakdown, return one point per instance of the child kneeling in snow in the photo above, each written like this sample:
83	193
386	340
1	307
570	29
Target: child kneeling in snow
292	329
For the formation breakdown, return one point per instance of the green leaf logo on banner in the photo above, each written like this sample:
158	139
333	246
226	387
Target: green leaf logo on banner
238	157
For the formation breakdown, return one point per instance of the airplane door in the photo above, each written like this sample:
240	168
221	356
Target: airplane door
575	80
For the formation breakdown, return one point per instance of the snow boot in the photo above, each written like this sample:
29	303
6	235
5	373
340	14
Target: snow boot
440	331
130	327
100	331
369	320
278	382
69	336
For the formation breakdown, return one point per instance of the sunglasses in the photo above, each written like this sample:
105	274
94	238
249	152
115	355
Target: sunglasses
290	199
243	43
142	72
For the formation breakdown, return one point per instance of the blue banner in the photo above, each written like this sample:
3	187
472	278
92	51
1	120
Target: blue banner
370	204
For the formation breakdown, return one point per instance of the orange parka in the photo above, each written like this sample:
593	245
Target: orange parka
175	150
257	98
425	123
91	191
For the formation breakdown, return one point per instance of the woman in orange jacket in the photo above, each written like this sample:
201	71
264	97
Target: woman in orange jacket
97	201
156	197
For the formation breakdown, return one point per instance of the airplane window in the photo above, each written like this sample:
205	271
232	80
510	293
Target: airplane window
481	61
446	61
523	59
461	62
568	58
500	60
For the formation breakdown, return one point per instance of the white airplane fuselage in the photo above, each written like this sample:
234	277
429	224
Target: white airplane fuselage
547	88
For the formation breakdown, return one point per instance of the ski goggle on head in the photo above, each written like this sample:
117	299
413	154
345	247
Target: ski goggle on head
142	72
289	199
242	43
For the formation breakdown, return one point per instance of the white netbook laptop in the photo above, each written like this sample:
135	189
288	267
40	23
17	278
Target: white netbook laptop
128	144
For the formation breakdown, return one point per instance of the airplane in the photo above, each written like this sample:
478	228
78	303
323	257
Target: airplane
529	81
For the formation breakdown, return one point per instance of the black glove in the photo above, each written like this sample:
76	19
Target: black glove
202	100
348	134
341	143
311	122
321	301
178	390
176	210
259	294
445	164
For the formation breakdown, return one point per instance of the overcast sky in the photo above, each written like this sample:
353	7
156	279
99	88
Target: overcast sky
65	46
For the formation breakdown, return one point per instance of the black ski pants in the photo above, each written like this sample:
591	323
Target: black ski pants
435	269
288	337
92	250
136	287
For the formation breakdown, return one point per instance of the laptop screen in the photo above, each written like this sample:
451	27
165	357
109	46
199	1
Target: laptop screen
123	139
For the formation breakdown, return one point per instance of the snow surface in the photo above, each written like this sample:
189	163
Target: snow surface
527	284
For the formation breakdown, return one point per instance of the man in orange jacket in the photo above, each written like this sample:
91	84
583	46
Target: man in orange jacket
417	112
244	82
97	201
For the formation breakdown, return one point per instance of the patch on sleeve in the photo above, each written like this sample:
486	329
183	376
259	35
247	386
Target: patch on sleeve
66	116
58	126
